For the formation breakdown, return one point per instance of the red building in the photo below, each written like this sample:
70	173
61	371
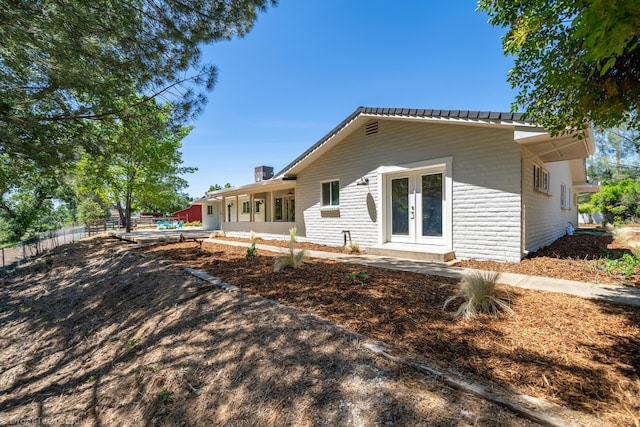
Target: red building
192	213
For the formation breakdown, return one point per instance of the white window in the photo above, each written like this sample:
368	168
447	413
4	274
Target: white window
246	207
565	197
209	210
331	193
541	179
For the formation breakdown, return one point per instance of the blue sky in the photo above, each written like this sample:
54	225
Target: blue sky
308	64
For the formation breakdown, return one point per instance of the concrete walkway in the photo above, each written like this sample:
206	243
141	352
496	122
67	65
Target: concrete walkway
611	293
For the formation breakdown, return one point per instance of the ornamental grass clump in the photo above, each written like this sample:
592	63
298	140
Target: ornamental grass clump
477	290
293	259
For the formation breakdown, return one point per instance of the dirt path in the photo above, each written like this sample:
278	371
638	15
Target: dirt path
94	334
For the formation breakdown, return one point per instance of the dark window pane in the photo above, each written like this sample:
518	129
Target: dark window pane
400	206
326	193
335	193
432	205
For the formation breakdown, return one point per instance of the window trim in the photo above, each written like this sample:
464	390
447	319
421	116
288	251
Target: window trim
330	205
541	179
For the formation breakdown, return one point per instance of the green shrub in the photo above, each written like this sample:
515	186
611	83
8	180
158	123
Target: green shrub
477	290
193	224
619	202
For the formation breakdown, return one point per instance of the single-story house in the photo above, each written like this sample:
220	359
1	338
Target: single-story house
429	184
190	214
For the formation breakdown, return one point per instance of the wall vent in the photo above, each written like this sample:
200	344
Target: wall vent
371	128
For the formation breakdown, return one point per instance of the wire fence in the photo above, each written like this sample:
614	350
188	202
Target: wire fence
42	242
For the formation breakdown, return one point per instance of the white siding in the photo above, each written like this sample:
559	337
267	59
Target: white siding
486	185
211	221
544	218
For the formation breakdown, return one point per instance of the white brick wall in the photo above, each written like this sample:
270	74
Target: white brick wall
486	187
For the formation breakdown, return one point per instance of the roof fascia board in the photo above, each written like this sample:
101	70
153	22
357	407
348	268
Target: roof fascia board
269	185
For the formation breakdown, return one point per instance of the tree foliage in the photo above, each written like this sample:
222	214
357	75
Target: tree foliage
216	187
72	71
68	60
619	202
577	62
141	164
90	210
64	64
617	155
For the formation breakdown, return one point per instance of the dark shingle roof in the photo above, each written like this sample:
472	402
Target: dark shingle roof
462	114
407	112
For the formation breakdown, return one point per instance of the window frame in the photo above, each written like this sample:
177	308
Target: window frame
332	186
565	196
246	207
541	179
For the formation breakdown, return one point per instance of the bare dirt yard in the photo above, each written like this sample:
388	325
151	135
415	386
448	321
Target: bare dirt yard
97	333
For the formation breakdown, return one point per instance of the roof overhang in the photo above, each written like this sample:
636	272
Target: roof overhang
547	148
273	184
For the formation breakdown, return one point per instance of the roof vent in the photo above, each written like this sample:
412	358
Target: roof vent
371	128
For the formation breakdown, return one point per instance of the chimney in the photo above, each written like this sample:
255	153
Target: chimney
263	173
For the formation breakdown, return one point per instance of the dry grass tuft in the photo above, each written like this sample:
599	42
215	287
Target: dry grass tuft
477	289
353	247
293	259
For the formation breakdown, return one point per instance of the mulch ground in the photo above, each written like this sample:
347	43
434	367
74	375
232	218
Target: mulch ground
581	354
580	257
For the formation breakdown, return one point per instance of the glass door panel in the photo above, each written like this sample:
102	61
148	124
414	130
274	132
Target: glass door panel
400	206
431	188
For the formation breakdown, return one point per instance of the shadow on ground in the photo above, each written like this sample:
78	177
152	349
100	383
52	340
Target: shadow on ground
95	334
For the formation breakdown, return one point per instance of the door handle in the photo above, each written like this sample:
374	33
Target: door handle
413	212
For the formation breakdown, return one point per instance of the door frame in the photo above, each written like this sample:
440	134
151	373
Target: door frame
386	173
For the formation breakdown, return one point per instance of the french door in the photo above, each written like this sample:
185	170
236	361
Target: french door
416	207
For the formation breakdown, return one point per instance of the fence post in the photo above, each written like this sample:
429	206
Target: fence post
4	268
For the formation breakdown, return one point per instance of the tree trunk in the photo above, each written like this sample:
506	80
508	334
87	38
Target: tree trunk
127	212
121	214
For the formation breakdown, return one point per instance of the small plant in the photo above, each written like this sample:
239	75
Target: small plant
164	395
353	247
132	341
477	290
252	236
358	277
91	379
293	259
22	308
439	335
251	251
292	235
627	265
154	368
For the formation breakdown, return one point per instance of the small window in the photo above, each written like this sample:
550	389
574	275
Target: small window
331	193
565	197
258	207
246	207
541	179
209	210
